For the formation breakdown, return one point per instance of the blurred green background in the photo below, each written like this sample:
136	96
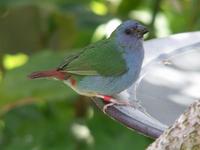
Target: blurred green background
38	34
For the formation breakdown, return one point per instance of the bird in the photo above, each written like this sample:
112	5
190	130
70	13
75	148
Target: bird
104	68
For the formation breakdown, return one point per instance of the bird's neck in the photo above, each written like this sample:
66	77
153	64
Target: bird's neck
133	53
132	50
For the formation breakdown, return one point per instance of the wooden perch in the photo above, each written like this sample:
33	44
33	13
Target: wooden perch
184	134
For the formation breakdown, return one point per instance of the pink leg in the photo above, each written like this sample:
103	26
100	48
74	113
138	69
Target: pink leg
112	101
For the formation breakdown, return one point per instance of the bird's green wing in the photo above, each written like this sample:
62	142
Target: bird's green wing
100	58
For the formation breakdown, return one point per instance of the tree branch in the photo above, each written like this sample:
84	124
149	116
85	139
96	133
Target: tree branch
21	102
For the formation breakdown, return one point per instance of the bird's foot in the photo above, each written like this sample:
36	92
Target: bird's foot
112	101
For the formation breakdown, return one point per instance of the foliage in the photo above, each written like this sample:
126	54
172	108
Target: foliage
35	35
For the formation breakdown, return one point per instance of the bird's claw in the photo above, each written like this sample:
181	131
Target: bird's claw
118	103
106	106
112	101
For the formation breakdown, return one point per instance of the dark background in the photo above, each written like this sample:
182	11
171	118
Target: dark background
38	34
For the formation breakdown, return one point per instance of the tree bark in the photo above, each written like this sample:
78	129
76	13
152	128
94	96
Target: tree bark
184	134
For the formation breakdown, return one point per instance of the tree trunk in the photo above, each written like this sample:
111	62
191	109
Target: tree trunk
184	134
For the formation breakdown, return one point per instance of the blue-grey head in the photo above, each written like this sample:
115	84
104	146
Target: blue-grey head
130	32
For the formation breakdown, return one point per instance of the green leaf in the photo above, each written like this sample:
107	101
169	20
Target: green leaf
16	86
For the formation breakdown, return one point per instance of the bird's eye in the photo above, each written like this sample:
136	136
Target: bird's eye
128	31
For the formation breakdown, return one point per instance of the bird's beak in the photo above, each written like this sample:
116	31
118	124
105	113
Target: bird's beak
145	31
142	29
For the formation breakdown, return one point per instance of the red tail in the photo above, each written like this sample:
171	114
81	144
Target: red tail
49	73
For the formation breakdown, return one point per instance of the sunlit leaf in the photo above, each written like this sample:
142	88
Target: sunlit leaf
98	8
13	61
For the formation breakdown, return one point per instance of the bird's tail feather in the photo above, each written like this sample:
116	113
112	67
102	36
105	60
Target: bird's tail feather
49	73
